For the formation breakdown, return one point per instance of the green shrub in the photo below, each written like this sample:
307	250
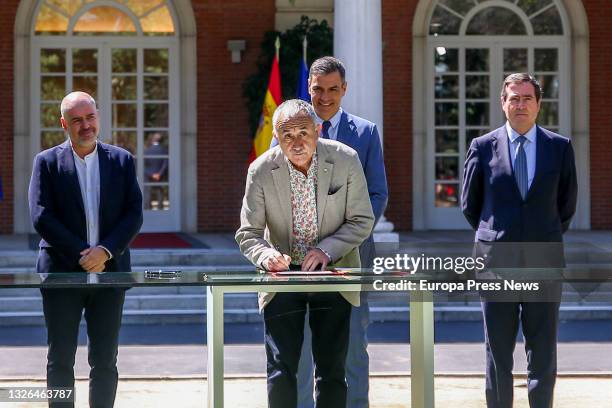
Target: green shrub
320	43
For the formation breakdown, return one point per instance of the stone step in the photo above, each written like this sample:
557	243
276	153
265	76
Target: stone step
186	304
193	297
140	300
246	267
26	259
242	308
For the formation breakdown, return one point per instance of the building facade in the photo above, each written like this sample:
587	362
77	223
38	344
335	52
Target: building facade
169	91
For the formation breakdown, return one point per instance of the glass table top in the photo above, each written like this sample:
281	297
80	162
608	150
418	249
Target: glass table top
591	273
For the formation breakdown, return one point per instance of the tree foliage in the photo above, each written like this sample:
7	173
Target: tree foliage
320	43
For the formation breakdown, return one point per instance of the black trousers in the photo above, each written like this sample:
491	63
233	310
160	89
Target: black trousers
329	319
539	321
103	310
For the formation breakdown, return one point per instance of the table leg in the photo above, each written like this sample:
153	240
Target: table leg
422	349
214	335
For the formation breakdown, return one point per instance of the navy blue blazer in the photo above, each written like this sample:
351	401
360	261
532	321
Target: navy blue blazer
492	203
57	211
362	136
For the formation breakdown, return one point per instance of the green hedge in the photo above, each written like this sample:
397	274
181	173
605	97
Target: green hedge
320	43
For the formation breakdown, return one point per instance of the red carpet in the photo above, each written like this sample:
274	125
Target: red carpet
160	240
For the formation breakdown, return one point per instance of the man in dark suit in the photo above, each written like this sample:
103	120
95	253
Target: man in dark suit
326	86
86	205
519	186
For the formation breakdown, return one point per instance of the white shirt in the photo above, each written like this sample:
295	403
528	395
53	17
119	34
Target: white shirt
335	122
88	172
529	147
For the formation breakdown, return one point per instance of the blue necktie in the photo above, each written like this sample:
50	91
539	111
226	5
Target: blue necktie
520	168
325	132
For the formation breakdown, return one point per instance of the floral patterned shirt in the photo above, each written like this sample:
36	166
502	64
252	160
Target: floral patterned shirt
303	210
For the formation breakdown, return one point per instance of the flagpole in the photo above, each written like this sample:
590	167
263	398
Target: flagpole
302	85
277	45
273	98
304	47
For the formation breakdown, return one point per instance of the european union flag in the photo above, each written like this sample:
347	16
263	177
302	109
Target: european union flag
302	86
1	191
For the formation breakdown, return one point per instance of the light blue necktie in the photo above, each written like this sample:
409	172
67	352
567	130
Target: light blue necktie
520	168
326	126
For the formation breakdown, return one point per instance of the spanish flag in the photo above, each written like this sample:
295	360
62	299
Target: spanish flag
263	136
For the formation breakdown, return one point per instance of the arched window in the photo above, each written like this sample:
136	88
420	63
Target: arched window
83	17
472	46
507	17
124	53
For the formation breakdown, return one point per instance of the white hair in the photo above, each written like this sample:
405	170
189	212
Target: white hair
291	108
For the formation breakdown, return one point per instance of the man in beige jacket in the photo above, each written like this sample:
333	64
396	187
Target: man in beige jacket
306	206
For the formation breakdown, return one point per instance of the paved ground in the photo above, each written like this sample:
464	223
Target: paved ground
386	392
584	347
172	375
248	360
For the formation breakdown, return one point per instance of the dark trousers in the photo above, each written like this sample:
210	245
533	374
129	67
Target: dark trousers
539	321
357	358
103	309
329	319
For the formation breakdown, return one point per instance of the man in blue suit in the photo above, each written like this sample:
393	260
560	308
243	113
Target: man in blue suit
86	205
519	186
326	86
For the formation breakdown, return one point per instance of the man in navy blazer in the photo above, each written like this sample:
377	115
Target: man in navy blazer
326	86
519	186
86	205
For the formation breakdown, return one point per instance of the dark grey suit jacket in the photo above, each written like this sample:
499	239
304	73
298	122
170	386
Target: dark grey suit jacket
57	210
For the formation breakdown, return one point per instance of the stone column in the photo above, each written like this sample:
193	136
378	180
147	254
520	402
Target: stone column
358	43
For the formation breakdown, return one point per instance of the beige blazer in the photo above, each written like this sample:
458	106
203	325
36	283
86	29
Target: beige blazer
344	212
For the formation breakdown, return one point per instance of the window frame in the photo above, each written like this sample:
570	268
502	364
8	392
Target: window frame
451	217
72	20
158	221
